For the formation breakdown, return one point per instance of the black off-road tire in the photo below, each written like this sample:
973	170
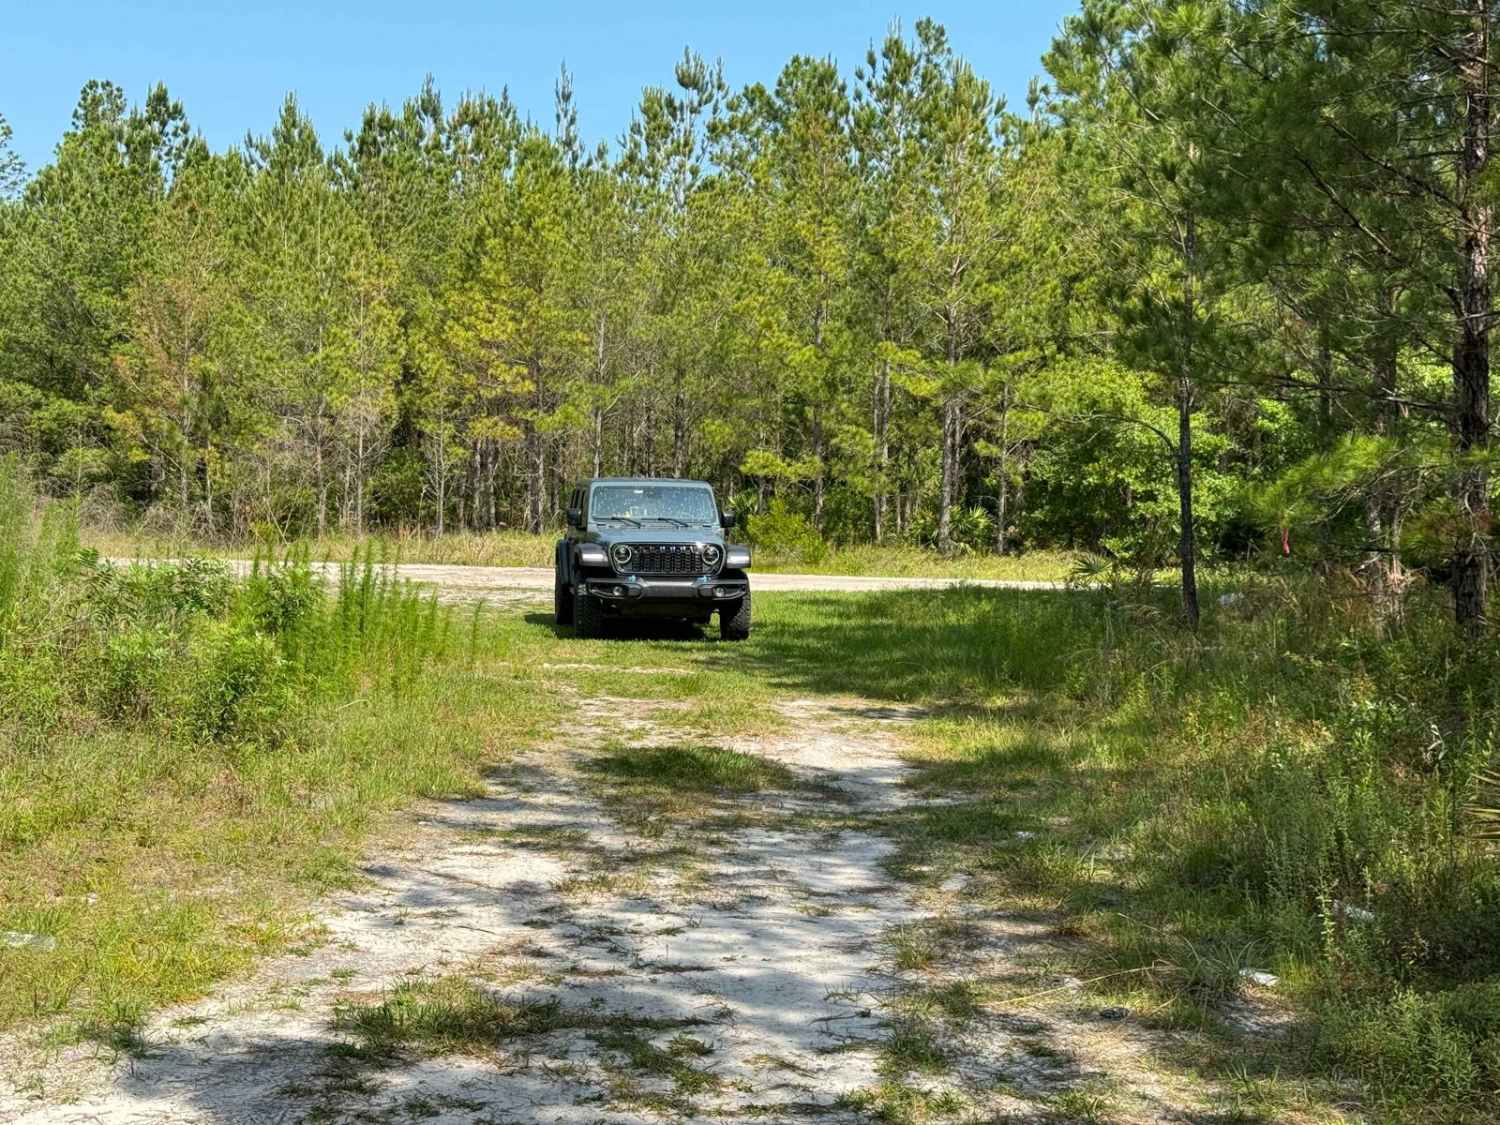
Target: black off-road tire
562	601
736	626
588	614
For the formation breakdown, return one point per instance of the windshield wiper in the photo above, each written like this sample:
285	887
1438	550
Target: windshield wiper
622	519
670	519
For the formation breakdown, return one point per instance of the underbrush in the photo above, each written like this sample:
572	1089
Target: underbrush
1287	796
185	759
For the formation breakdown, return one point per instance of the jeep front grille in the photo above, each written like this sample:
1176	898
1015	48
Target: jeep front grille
666	558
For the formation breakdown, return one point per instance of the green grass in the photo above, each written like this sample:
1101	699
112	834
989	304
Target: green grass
160	866
894	1102
455	1015
187	761
1167	809
693	770
1178	809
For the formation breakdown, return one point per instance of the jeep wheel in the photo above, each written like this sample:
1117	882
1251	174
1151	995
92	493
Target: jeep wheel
588	614
736	626
562	601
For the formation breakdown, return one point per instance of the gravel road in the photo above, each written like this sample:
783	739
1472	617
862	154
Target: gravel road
507	583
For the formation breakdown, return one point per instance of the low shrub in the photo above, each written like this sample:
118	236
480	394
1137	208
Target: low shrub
784	533
1414	1047
180	763
240	688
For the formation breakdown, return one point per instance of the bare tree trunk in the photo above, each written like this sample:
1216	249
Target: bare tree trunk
1002	511
1325	377
600	373
948	487
881	419
1383	506
949	484
1471	353
322	486
1187	545
536	470
679	430
535	454
208	490
820	480
646	440
1002	471
359	485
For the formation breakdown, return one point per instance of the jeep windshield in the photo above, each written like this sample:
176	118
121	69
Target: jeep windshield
684	505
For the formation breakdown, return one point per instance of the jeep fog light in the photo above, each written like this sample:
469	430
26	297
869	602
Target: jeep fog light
619	591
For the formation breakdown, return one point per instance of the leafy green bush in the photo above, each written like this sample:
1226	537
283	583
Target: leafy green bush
161	595
1414	1047
240	687
782	532
972	528
184	646
133	670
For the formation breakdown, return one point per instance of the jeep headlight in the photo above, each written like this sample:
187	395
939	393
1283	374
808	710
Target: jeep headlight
621	554
713	555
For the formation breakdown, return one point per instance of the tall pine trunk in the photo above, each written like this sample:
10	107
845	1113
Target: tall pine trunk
679	430
1187	544
1471	352
820	491
881	417
948	488
1383	507
1002	472
1187	548
536	456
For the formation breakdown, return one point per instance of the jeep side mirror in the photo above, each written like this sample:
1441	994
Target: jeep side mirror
728	520
575	517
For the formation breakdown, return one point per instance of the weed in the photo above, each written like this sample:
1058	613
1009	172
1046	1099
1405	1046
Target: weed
896	1103
693	769
913	1044
184	757
920	945
453	1015
1084	1105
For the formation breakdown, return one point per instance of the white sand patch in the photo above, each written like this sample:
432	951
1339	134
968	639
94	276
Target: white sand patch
771	955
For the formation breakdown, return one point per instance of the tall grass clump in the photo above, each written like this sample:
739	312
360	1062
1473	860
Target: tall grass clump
1299	777
1300	787
184	755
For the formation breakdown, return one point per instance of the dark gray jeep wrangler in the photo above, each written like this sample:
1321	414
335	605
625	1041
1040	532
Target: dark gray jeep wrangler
650	547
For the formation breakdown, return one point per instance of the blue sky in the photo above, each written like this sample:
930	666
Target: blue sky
231	63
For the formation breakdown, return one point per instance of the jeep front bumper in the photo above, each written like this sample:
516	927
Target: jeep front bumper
629	588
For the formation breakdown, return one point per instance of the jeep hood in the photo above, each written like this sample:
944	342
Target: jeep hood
657	533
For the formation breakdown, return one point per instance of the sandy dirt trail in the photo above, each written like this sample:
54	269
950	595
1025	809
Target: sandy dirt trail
762	934
769	956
